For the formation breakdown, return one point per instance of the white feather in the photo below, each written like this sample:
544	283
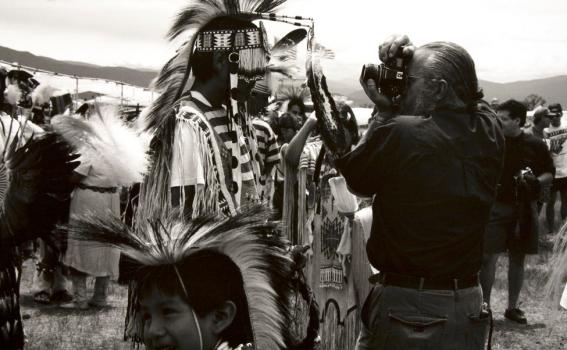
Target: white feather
115	150
13	94
42	94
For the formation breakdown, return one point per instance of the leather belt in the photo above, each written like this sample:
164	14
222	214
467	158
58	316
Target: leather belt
403	281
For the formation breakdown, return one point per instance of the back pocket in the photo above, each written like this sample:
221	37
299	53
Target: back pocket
477	332
411	331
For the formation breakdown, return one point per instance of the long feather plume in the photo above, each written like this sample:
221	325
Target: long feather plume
42	94
117	152
556	281
246	239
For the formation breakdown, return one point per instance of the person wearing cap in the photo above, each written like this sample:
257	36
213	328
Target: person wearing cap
542	119
268	155
513	224
494	103
557	135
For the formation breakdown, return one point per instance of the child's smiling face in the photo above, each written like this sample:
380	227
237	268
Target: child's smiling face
169	323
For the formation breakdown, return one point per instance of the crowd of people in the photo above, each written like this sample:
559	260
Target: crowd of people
230	198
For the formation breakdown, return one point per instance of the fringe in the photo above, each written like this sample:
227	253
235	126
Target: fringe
289	197
252	65
155	195
206	197
301	205
252	143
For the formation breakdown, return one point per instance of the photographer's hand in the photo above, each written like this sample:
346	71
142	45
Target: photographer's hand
381	101
390	46
386	51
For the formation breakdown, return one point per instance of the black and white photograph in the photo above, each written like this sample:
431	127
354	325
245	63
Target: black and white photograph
283	175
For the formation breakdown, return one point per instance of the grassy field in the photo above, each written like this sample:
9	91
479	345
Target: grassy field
52	328
48	327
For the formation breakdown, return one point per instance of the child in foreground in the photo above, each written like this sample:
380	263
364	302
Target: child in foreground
208	284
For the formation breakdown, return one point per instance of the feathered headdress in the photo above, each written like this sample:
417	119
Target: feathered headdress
245	46
247	59
246	239
293	91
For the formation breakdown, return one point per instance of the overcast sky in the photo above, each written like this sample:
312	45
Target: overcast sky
509	40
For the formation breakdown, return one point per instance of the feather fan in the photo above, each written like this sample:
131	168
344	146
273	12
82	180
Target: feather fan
35	182
329	119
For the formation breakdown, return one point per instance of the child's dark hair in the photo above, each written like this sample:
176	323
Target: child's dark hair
210	279
296	101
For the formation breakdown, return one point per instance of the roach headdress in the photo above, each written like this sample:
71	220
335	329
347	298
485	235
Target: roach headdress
246	239
247	48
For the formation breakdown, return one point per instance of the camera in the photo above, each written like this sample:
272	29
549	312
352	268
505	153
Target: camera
390	77
522	174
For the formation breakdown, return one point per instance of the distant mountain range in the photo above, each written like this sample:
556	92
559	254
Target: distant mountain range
137	77
552	89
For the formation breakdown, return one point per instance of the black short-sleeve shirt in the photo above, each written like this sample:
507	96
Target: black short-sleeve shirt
433	180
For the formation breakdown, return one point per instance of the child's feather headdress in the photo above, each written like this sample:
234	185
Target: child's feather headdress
247	239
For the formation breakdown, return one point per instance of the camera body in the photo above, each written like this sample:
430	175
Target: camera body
522	174
390	77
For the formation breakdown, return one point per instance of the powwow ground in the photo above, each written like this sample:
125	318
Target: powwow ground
53	328
48	327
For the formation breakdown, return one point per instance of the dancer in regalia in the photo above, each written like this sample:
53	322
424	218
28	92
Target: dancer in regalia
35	186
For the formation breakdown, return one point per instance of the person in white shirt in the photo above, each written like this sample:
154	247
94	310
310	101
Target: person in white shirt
557	135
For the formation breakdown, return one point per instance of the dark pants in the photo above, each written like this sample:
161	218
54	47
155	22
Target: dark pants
395	318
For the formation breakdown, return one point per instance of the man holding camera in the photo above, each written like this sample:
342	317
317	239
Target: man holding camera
432	161
513	225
